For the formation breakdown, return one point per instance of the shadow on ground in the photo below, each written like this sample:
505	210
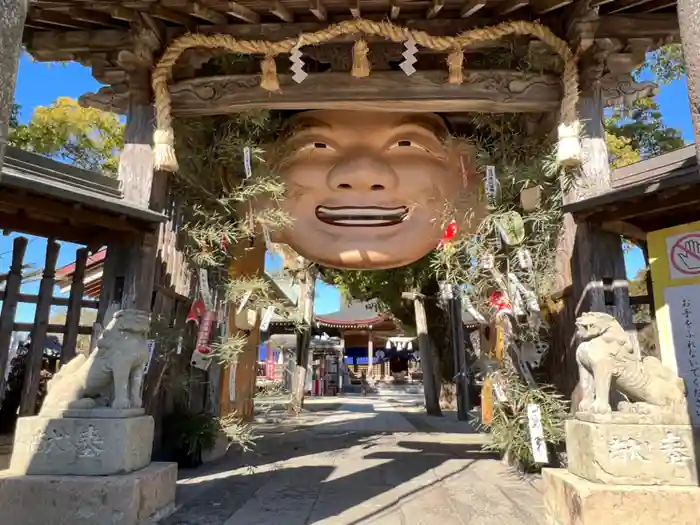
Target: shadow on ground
312	475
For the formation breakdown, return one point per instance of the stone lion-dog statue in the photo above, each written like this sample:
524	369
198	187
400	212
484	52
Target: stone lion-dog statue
606	356
114	369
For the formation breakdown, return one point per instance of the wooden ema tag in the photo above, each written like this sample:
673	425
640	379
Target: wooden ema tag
487	402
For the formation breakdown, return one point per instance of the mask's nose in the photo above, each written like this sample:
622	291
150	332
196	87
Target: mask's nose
362	174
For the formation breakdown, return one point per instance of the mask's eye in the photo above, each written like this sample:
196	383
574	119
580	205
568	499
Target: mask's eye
316	145
406	144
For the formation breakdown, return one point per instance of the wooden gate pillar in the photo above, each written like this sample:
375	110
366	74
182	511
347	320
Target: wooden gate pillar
12	15
689	22
590	261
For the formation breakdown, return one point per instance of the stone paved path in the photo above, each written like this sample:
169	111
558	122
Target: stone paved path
365	461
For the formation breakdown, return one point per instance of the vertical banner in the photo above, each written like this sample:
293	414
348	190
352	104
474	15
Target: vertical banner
201	357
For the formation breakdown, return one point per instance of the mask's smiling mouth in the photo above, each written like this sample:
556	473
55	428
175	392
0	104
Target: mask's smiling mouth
372	216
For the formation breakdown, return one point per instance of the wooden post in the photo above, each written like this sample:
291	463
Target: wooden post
248	261
12	15
307	292
589	260
70	337
9	306
107	286
689	22
143	187
32	373
370	355
432	401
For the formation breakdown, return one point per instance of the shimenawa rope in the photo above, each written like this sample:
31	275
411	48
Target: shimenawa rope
569	149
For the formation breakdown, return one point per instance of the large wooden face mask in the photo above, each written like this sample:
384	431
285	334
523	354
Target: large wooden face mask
367	189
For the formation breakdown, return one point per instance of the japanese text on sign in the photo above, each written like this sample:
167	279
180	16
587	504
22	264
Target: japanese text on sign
684	308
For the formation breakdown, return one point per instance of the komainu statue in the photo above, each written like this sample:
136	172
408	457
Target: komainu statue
115	369
606	356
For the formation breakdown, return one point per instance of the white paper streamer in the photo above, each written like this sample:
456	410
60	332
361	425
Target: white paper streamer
409	57
297	66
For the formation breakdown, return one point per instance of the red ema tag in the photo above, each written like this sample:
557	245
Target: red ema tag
449	234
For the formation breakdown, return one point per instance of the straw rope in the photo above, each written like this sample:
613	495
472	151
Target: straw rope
569	147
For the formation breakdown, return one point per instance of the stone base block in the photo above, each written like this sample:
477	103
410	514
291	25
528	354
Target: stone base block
571	500
634	454
81	446
128	499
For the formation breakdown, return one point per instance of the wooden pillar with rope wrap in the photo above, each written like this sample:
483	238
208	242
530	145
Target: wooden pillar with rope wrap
689	22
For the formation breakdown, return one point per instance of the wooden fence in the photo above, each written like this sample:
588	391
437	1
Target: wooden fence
41	328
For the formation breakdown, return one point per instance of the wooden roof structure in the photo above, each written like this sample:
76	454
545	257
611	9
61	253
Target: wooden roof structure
117	37
650	195
40	196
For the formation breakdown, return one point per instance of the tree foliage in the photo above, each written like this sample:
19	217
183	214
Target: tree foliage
87	138
666	64
640	130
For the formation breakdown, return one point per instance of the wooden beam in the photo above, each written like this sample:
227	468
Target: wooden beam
510	6
204	13
57	19
244	13
68	42
626	229
280	11
318	10
55	301
623	5
355	10
470	7
93	17
545	6
638	26
382	91
172	16
435	7
394	10
51	328
657	5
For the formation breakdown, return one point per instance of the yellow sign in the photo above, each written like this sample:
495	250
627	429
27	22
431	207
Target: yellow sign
674	257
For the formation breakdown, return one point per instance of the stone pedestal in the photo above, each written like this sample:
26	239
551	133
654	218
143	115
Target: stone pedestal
85	467
82	446
629	452
128	499
625	469
571	500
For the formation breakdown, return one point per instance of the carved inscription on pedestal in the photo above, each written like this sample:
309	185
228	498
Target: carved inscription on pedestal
675	449
628	449
89	443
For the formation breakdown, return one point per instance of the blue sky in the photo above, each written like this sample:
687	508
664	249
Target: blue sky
39	84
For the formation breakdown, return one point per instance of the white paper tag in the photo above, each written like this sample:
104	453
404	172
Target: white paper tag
268	241
178	351
151	350
499	392
537	441
488	261
491	184
524	258
200	360
204	288
243	302
247	162
267	317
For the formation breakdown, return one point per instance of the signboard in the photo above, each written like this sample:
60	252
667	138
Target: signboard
683	303
683	253
674	256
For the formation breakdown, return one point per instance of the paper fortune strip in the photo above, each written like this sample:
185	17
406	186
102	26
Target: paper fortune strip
297	66
410	57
